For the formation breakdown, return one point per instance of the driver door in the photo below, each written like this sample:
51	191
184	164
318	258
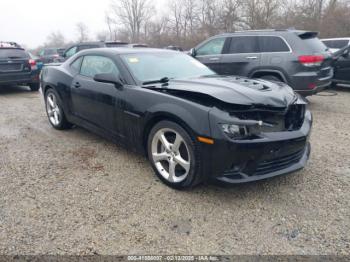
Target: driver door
92	101
342	69
210	54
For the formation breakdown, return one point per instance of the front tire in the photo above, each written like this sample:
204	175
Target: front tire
55	112
174	155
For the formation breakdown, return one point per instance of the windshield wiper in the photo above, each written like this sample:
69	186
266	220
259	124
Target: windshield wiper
163	80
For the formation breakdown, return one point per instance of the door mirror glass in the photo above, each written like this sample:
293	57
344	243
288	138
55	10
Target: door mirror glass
108	78
193	52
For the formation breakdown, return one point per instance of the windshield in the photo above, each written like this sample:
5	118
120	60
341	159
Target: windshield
12	53
149	67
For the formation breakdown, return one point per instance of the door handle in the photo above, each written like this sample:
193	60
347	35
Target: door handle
252	57
214	59
77	85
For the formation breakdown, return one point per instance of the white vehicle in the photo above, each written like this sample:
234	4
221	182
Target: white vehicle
335	44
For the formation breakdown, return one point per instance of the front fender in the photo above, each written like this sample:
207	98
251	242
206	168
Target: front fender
196	120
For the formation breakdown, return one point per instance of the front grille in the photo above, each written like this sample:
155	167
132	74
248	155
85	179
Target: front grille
266	166
279	163
10	67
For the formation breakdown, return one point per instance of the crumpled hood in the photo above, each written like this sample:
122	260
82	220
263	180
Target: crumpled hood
239	90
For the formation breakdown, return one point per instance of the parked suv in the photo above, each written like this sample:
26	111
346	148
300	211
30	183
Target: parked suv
72	50
295	57
17	67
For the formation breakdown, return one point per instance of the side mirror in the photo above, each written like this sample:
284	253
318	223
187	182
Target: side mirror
193	52
346	53
109	79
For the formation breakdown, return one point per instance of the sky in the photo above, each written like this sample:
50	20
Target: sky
29	22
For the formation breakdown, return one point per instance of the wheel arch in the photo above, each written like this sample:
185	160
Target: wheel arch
163	116
273	72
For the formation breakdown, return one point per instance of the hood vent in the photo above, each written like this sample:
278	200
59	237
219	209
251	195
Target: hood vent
250	83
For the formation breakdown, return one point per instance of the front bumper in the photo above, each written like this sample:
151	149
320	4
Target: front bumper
274	154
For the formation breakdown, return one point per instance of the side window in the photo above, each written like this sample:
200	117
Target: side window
213	47
244	44
70	52
84	47
76	64
273	44
93	65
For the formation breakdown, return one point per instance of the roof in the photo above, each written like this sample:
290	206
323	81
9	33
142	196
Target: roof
267	31
127	50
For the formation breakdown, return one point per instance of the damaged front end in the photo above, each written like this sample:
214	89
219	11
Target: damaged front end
259	141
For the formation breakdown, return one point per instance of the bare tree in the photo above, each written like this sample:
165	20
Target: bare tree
55	39
261	13
83	32
231	14
132	14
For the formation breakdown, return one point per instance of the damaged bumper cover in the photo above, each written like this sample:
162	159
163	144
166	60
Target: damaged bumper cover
272	152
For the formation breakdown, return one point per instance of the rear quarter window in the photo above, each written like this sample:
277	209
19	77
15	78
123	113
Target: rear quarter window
6	53
315	44
270	44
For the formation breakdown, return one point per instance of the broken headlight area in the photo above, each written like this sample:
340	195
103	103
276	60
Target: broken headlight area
251	124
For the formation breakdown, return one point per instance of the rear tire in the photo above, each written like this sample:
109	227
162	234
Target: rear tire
34	87
174	155
55	112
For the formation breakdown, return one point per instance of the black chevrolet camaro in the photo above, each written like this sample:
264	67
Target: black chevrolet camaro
191	123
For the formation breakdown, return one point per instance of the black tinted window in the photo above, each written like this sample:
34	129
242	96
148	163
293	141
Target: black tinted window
336	44
273	44
51	52
243	44
12	53
83	47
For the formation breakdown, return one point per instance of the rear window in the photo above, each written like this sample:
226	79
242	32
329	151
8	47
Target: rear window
336	44
12	53
51	52
273	44
315	44
244	44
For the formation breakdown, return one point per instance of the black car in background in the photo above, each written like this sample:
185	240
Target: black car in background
342	66
297	58
191	123
72	50
17	67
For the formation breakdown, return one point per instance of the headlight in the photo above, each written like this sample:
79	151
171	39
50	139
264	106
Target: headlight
234	131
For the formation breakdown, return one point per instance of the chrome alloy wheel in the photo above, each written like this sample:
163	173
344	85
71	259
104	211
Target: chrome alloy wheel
170	155
53	110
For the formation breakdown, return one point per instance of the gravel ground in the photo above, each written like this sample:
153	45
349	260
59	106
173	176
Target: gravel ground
73	192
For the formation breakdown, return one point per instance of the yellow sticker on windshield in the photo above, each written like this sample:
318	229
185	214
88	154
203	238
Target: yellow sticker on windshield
133	60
